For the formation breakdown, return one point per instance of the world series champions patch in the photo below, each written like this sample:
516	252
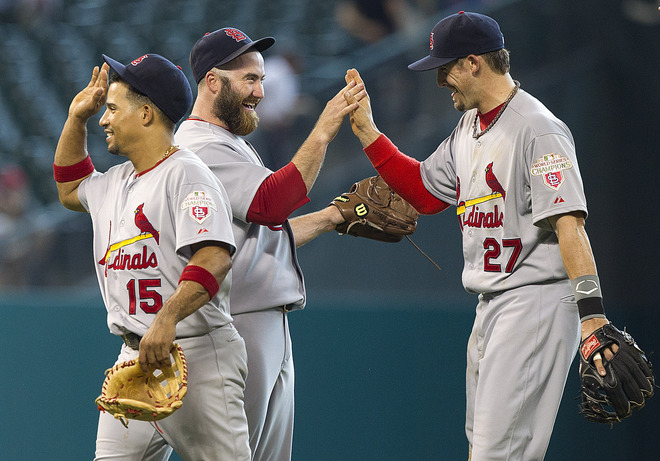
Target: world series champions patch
199	206
551	167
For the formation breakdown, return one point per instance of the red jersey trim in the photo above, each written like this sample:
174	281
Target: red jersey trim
402	174
137	175
279	195
485	119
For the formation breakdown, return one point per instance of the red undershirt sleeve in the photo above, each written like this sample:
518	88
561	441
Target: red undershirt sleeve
279	195
402	174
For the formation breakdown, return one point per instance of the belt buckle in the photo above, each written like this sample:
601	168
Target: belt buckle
131	340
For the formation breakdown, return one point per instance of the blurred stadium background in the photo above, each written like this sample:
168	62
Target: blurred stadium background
380	348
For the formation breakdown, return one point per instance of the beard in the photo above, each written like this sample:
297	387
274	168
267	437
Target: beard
228	107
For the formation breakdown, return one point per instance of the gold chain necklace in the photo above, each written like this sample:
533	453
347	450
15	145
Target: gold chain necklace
169	151
476	135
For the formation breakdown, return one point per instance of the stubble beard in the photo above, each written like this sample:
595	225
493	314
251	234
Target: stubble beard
113	148
228	107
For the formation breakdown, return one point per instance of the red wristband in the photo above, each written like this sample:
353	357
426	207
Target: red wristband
73	172
203	277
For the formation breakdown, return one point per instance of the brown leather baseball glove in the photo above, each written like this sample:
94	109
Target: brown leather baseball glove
372	210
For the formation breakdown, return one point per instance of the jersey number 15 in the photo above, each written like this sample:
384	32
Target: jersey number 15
150	300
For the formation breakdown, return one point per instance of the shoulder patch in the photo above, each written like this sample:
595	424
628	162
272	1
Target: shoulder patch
199	206
551	167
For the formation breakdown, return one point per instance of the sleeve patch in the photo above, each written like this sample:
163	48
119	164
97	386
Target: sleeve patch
199	205
551	167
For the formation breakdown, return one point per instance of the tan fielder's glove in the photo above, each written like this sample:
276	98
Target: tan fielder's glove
130	393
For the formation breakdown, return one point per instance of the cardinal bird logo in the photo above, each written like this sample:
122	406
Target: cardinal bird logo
492	181
144	225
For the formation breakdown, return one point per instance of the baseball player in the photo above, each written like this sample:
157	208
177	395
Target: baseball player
162	251
511	170
228	68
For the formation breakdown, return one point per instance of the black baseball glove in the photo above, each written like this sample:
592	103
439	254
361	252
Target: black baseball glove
628	383
374	211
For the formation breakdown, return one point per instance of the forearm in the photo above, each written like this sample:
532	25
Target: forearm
574	246
580	266
71	150
307	227
186	299
155	345
190	295
402	174
72	145
193	292
310	156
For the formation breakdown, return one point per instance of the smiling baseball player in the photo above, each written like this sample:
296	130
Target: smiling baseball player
268	282
511	170
162	249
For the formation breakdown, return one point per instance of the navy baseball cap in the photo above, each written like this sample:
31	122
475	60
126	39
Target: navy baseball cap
217	48
460	35
158	79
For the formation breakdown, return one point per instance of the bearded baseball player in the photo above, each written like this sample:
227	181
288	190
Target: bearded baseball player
162	251
228	68
511	170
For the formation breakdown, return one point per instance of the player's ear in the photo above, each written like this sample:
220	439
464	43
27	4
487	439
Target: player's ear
147	114
473	63
213	81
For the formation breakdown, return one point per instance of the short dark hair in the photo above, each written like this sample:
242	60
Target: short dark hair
139	99
498	61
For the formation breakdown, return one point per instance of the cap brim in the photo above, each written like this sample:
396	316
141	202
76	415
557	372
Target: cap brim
259	45
120	69
429	62
114	65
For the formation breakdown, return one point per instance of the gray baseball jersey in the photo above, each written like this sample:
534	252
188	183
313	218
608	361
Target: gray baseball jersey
143	228
267	282
265	267
505	185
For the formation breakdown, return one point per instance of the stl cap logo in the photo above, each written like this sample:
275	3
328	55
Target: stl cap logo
431	40
235	34
137	61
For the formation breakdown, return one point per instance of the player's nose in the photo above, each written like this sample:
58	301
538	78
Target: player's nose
258	91
441	78
103	121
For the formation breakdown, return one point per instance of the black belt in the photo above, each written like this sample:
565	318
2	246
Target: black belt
132	340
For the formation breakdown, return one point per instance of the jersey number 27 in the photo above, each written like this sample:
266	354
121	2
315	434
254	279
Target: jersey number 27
494	250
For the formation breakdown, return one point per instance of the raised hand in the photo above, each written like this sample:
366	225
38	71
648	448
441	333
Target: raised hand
90	100
337	108
362	121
